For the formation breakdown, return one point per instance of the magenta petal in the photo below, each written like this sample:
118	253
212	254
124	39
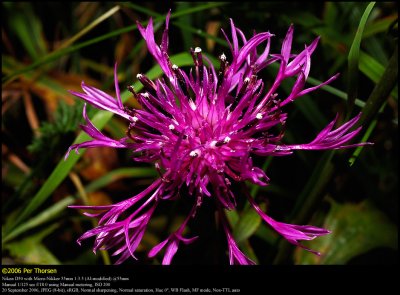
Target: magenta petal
119	101
170	252
154	251
287	44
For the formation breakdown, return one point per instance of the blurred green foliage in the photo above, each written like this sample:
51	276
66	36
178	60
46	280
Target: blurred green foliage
49	48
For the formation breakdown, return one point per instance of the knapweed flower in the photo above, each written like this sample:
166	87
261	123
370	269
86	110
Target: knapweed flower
200	130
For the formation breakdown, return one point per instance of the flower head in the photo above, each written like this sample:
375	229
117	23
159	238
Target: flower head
200	130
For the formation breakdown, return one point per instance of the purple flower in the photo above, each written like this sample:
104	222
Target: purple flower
200	131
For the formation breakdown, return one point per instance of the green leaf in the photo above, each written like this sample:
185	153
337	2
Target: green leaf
247	225
31	251
353	59
91	26
378	26
45	216
29	30
232	216
370	67
373	69
356	229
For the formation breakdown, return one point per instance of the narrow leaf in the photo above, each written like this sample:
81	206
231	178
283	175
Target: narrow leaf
353	59
356	229
40	219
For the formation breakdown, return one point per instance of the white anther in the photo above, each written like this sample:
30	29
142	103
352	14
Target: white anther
192	105
197	50
145	95
223	57
174	67
139	76
227	139
135	119
213	143
259	116
171	127
247	80
195	153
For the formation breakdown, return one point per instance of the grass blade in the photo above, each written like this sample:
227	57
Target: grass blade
46	215
373	69
353	59
90	27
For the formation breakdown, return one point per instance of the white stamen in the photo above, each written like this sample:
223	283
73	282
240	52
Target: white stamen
171	127
247	80
139	76
227	139
195	153
259	116
197	50
135	119
174	67
145	95
223	57
213	143
192	105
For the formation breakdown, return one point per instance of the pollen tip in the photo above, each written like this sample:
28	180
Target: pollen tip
174	67
259	116
135	119
197	50
145	95
171	127
227	139
223	57
139	76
